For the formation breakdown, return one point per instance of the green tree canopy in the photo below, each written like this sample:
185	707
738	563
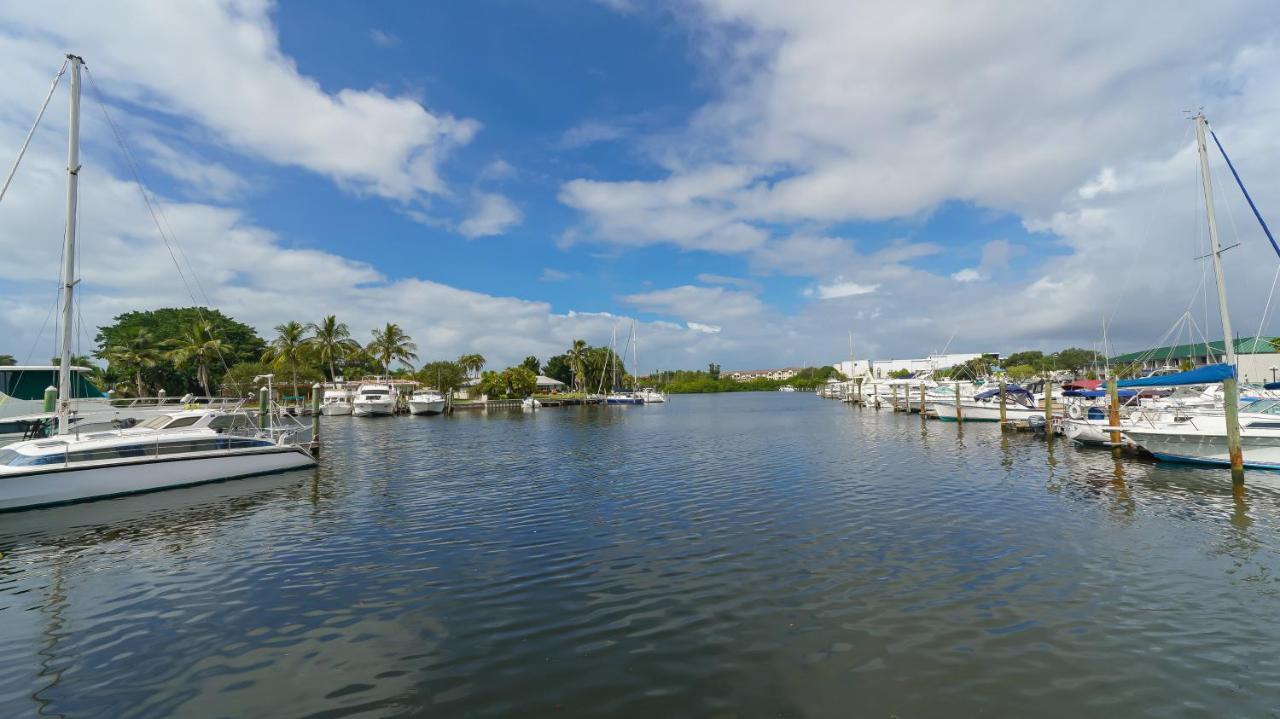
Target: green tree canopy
331	342
136	340
559	367
7	361
442	375
289	350
392	344
533	364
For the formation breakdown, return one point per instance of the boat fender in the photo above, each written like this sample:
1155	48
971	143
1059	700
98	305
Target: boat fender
1075	411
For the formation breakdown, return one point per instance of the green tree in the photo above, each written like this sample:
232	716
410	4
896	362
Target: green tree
1021	372
134	352
558	368
473	363
391	343
713	369
7	361
520	381
238	381
577	356
197	347
443	375
1075	359
331	342
239	344
533	364
288	349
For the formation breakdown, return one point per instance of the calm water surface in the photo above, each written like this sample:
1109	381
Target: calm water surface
734	555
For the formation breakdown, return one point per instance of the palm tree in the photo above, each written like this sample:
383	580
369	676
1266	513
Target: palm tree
391	343
8	361
331	341
197	346
577	362
137	351
288	348
472	363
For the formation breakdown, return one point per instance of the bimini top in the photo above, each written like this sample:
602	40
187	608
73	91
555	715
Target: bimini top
1208	374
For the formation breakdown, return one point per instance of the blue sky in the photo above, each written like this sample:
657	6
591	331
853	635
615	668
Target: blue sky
747	181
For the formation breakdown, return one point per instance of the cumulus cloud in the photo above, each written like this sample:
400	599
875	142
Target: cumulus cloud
493	214
241	88
553	275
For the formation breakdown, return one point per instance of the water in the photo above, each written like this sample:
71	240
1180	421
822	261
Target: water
733	555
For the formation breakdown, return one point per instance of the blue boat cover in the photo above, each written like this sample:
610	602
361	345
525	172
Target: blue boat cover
1208	374
1012	389
1095	393
1271	385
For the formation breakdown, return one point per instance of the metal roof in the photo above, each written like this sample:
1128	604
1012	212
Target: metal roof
1244	346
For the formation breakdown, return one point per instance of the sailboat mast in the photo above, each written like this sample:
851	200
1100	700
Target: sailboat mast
1228	338
69	250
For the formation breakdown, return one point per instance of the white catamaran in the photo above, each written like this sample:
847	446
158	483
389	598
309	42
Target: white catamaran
169	450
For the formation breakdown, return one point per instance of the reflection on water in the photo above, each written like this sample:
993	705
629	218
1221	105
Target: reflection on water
747	554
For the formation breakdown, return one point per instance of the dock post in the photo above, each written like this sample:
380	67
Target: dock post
923	413
895	397
1004	411
1048	408
264	407
858	385
1231	403
1113	415
959	412
50	399
315	420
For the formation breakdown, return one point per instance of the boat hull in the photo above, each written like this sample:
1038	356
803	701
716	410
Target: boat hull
373	409
335	409
430	407
1260	452
47	486
981	412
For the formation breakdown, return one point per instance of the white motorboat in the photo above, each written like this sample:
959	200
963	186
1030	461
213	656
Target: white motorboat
374	399
1020	404
530	403
426	402
786	388
1202	438
652	396
336	401
172	450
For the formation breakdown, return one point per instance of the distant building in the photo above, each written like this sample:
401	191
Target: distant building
1256	358
881	369
747	375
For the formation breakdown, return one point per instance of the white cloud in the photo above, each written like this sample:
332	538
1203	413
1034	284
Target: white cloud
493	214
839	289
589	133
204	178
383	39
241	88
968	274
553	275
705	329
698	304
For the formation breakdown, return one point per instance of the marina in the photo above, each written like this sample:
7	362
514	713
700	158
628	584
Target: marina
612	359
934	568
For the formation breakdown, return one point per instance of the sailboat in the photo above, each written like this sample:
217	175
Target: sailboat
174	449
1208	438
619	395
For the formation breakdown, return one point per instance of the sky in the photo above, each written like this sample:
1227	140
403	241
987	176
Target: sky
745	182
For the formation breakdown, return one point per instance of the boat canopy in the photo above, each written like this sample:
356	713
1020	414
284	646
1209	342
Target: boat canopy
1096	393
1082	384
1012	389
1208	374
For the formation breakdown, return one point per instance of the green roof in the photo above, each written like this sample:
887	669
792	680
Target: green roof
1173	353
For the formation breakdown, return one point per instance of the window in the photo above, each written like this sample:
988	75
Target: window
155	422
182	422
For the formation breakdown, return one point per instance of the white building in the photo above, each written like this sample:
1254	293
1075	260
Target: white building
883	368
